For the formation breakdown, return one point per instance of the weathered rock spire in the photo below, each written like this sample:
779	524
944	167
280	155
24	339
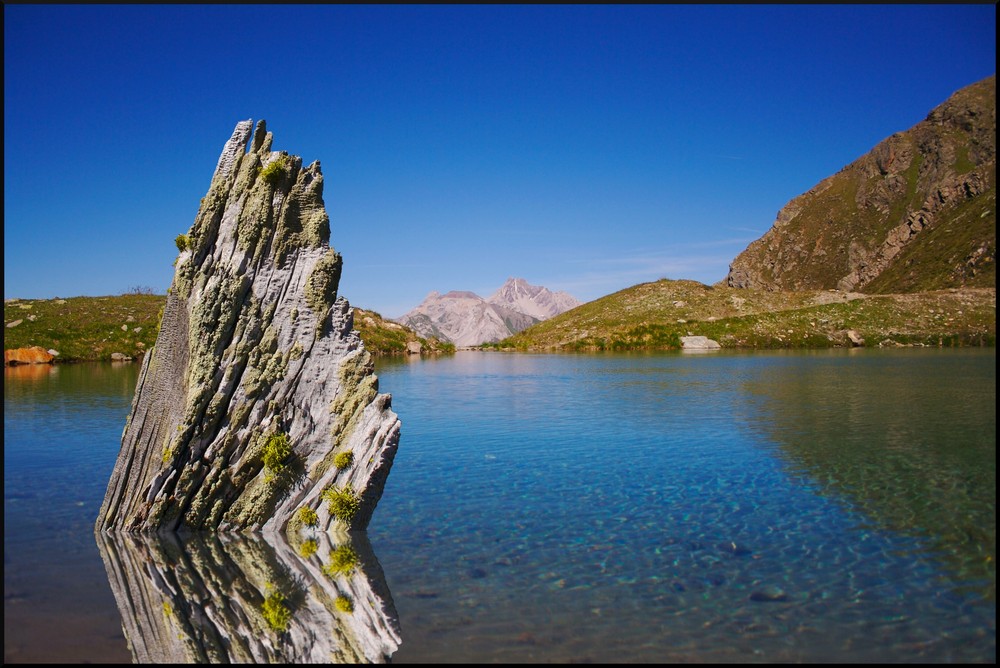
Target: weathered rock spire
258	408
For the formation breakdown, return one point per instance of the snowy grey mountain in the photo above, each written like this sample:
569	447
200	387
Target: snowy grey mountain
466	319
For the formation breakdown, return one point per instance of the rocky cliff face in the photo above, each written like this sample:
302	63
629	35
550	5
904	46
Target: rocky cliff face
918	212
534	300
466	319
258	408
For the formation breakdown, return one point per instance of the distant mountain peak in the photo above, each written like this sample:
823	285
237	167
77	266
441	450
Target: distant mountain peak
460	294
466	319
534	300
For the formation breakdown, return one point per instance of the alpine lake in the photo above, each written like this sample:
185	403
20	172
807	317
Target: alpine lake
728	507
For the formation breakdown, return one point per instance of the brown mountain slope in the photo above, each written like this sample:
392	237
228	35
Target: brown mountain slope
918	212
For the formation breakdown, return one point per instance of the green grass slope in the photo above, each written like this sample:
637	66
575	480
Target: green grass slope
654	316
93	328
84	328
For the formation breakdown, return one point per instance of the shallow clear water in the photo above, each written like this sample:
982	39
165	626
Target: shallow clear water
826	506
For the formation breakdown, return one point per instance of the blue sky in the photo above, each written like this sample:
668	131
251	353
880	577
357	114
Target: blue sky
584	148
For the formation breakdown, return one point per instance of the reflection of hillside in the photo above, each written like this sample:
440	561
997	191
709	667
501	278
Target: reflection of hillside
251	599
908	437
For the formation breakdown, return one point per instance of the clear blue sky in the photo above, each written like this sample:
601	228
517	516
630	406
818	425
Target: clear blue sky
584	148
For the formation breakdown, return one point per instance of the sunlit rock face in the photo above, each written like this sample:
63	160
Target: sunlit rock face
258	408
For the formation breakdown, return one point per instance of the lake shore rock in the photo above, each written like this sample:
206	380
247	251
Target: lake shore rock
30	355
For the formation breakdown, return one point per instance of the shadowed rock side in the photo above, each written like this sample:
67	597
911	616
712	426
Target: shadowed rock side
917	213
224	598
258	405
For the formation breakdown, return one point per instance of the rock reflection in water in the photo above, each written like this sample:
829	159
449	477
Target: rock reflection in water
251	598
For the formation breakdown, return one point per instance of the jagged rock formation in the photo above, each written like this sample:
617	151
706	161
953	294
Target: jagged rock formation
916	213
534	300
224	598
466	319
258	406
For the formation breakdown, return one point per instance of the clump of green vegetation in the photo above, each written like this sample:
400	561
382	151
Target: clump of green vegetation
343	460
183	242
274	172
308	548
344	604
343	503
276	451
342	561
308	516
276	613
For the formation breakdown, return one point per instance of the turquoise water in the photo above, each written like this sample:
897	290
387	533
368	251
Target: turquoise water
758	507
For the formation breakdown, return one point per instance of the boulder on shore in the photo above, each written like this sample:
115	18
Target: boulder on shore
699	343
31	355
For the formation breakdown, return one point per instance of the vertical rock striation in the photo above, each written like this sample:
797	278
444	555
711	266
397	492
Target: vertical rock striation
258	400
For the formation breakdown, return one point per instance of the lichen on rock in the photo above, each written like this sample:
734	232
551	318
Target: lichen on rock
254	341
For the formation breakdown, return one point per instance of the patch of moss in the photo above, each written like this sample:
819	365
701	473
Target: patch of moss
343	503
274	172
276	613
308	548
343	460
321	286
343	560
308	516
276	451
344	604
265	363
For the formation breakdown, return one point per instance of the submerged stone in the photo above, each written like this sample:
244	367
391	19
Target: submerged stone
257	381
769	594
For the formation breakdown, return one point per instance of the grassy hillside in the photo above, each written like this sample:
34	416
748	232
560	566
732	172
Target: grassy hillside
84	328
385	337
92	328
648	316
655	316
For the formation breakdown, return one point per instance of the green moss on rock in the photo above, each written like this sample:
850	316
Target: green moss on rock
321	286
